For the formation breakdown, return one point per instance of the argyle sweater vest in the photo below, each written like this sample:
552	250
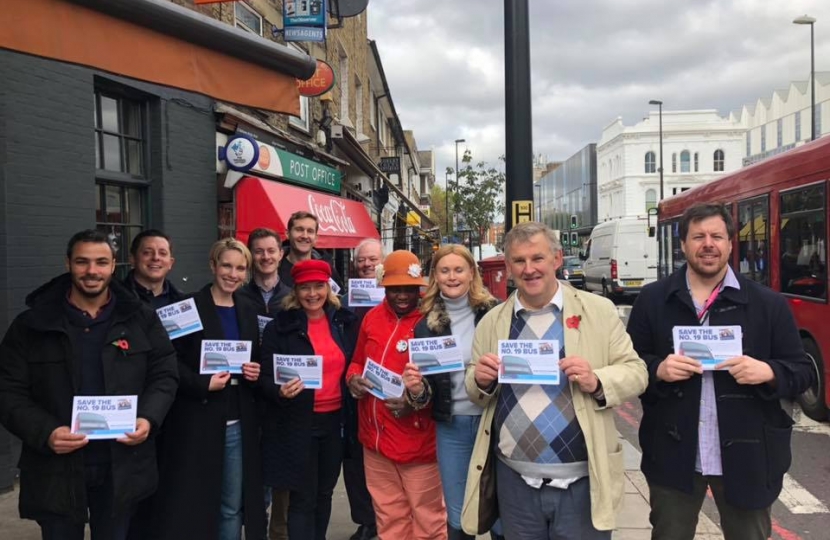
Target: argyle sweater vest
536	425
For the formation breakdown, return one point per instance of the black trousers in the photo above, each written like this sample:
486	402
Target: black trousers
309	509
102	523
674	514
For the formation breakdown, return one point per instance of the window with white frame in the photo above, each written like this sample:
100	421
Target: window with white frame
344	88
674	162
685	161
719	159
246	18
373	108
697	162
651	199
382	129
651	166
304	120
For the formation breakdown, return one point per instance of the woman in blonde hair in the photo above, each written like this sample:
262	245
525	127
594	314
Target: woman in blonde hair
455	301
301	433
211	483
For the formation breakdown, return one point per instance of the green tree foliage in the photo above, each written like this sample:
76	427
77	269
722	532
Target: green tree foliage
438	212
478	199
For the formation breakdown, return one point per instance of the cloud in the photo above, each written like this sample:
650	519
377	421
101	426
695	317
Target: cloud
591	61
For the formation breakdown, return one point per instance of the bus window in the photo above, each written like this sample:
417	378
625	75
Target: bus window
665	249
677	255
753	235
804	242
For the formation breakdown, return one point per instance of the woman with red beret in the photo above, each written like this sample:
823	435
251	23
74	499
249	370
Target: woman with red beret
301	436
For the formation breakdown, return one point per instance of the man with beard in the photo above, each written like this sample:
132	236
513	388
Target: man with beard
151	256
302	237
721	429
84	335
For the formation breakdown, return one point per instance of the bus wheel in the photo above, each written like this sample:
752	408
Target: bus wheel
812	400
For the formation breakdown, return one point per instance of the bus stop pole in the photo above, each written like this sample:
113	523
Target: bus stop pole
518	124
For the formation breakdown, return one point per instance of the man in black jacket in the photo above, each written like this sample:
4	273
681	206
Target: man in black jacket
266	291
367	256
722	429
84	335
151	256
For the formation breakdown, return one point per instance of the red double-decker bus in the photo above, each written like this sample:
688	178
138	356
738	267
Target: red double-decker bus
780	207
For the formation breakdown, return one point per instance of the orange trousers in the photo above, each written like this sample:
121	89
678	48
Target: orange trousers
408	499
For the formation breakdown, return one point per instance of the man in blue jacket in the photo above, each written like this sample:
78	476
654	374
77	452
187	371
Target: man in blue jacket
84	334
722	429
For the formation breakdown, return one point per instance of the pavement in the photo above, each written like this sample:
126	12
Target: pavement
632	523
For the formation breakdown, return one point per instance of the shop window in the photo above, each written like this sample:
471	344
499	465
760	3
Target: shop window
121	171
718	160
120	212
804	242
753	238
303	122
119	135
246	18
651	165
685	161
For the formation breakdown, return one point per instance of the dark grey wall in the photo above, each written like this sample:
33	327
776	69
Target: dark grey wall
47	177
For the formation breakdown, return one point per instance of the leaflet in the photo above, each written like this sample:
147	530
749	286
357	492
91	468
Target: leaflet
529	361
436	354
335	288
220	356
365	293
104	417
710	345
180	319
262	321
308	368
387	384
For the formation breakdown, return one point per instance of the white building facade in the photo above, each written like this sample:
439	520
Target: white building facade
782	121
698	147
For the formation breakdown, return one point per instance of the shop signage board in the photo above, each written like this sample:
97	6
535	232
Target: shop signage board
304	20
321	82
243	153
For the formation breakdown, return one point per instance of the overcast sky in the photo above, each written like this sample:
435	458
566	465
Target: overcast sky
591	61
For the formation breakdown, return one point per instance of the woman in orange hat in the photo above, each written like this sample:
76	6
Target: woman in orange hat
301	428
399	441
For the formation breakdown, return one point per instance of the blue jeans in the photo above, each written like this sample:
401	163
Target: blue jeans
102	522
550	513
230	511
454	444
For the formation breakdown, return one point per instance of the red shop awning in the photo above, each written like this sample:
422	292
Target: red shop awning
265	203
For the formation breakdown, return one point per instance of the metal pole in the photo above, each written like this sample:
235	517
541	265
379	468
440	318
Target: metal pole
813	79
660	113
519	132
456	173
447	204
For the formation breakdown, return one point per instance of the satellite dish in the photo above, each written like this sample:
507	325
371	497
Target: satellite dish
347	8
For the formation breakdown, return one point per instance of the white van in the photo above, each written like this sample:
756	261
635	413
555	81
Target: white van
620	257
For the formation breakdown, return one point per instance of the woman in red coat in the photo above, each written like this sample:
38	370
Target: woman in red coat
399	441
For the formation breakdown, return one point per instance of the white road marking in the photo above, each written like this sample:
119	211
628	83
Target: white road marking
804	424
798	500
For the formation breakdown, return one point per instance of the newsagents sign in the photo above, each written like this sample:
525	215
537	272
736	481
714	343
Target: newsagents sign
275	162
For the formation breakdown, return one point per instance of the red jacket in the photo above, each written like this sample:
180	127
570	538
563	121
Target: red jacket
410	439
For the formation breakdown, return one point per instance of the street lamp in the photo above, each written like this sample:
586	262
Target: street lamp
447	203
456	164
806	19
660	109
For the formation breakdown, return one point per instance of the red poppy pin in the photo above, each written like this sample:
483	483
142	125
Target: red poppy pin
573	322
122	344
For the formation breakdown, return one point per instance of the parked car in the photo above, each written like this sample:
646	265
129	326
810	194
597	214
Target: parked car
571	271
